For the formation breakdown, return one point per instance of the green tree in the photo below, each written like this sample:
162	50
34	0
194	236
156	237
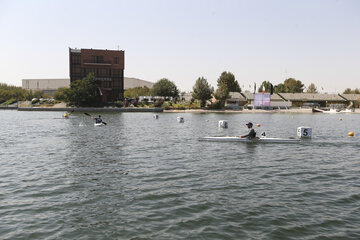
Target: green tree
280	88
137	91
165	88
82	93
202	91
267	85
63	94
293	86
8	92
227	79
222	93
350	91
312	88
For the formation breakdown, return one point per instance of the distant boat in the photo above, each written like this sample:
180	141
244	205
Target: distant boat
347	110
332	110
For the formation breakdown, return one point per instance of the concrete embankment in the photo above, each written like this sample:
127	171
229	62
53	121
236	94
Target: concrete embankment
8	108
91	109
290	110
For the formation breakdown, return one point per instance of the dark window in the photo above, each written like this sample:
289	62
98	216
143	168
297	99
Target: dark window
77	70
76	59
97	59
116	72
116	60
90	70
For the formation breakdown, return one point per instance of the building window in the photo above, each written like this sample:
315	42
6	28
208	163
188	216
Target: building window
116	60
76	59
115	72
77	70
97	59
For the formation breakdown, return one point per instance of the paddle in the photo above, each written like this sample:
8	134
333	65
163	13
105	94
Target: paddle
87	114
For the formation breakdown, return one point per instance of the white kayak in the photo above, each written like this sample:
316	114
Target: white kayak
256	140
99	124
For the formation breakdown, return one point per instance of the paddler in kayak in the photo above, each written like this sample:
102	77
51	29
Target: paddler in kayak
67	114
98	119
251	134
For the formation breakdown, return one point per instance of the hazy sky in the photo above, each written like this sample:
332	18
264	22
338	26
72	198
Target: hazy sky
313	41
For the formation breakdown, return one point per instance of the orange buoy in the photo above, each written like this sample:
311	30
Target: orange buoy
258	125
350	134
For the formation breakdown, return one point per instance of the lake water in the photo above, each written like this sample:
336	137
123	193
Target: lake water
142	178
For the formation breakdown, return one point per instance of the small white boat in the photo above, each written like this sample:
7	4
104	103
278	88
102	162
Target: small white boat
331	111
347	110
99	124
256	140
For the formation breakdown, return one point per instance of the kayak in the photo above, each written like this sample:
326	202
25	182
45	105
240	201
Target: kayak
99	124
256	140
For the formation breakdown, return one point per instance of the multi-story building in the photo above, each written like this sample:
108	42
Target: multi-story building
106	65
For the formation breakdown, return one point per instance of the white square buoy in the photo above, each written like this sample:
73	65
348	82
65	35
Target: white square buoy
304	132
180	119
223	124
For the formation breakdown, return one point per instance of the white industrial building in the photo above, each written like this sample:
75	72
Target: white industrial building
49	86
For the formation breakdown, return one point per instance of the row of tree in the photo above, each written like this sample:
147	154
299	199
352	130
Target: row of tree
83	92
10	94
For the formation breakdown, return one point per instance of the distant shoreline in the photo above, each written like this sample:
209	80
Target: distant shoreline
290	110
295	110
90	109
135	109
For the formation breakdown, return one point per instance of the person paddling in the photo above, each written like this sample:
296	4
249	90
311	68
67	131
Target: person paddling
251	134
98	119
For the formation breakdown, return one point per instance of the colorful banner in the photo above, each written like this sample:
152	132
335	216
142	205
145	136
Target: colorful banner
262	99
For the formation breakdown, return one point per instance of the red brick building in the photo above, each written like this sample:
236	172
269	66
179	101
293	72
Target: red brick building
106	65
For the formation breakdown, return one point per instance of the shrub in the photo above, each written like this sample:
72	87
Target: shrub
216	105
119	104
166	105
10	101
159	103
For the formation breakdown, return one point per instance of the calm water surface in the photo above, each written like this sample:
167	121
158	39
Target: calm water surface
141	178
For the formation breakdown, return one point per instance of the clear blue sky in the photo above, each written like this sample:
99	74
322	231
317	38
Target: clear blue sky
315	41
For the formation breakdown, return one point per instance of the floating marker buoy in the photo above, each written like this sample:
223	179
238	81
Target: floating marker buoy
340	119
180	119
155	116
304	132
258	125
350	134
223	124
207	120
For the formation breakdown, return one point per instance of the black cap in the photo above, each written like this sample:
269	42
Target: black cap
99	116
249	123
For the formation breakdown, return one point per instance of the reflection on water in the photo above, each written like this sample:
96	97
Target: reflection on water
145	178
